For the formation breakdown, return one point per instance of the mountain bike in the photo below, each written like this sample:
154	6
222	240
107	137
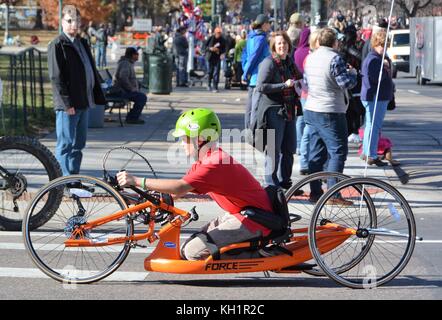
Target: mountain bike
25	166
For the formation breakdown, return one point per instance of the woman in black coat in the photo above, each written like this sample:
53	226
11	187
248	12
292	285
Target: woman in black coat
275	111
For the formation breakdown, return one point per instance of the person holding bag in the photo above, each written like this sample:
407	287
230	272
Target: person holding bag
275	110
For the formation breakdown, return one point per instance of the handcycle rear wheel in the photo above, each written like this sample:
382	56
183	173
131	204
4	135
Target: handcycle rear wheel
387	239
84	199
304	204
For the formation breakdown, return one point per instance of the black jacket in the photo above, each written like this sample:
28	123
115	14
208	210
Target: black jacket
212	42
68	76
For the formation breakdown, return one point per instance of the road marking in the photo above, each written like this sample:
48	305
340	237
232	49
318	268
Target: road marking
38	274
414	92
59	247
55	235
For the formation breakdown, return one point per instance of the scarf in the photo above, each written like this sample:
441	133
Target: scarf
287	70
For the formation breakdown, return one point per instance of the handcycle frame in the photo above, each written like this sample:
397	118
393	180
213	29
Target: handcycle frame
166	256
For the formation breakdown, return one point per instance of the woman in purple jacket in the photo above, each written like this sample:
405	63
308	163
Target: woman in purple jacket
301	53
374	118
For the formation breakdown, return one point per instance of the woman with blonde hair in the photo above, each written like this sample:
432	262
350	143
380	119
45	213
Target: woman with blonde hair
374	117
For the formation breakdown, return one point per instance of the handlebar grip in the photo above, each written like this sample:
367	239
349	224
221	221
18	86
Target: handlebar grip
147	196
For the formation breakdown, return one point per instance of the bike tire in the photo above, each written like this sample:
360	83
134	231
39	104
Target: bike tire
79	265
392	210
31	148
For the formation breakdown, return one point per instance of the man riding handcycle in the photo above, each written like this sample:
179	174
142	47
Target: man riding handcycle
93	229
251	214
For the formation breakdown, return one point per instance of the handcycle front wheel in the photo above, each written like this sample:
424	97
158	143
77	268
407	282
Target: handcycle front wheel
387	238
84	199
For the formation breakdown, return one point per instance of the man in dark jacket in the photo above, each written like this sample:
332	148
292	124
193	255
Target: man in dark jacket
75	87
216	46
125	80
180	50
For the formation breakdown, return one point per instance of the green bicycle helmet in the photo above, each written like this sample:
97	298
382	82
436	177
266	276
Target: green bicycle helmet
198	122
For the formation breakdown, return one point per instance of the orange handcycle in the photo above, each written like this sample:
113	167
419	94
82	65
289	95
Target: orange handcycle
362	245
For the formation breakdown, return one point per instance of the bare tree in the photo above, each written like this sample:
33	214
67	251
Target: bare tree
411	7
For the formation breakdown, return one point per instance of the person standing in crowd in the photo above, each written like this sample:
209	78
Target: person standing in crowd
276	107
75	88
92	36
159	40
256	50
351	54
100	46
295	29
215	47
340	23
374	118
328	80
110	29
126	85
181	53
382	25
301	54
230	44
237	58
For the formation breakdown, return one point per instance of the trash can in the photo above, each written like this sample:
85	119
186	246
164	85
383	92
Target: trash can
160	74
146	68
96	116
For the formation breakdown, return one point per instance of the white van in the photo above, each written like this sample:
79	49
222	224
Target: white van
399	50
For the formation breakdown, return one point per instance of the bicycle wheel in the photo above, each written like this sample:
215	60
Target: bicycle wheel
85	199
384	239
25	166
304	204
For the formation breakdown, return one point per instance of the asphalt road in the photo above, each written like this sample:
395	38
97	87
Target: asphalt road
416	129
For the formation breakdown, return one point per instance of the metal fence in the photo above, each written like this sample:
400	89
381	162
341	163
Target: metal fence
24	76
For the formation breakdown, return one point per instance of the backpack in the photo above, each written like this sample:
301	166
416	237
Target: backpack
279	204
279	220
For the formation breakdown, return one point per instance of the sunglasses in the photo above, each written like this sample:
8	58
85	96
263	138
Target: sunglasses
70	21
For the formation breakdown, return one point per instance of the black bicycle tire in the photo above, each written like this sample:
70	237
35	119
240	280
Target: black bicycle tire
53	170
52	273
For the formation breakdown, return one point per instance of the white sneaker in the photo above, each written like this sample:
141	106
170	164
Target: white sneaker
354	138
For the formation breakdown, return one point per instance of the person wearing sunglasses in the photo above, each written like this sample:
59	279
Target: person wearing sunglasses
75	87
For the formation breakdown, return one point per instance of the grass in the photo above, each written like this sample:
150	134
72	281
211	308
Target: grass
40	121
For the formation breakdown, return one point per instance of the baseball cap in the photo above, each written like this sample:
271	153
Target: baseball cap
261	19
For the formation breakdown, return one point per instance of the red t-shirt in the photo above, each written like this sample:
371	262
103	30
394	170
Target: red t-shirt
230	185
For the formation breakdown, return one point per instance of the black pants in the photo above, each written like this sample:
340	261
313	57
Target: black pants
214	68
238	71
355	113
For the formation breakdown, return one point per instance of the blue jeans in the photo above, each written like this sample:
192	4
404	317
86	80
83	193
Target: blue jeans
370	146
139	99
100	56
280	150
71	140
328	141
181	77
302	138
